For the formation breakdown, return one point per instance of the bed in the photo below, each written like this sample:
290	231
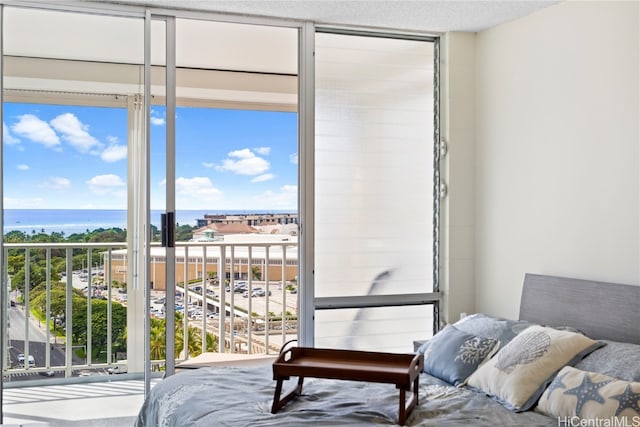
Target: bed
590	327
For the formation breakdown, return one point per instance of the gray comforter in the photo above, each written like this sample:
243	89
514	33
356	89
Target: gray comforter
243	397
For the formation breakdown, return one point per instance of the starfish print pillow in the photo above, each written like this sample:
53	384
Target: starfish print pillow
591	396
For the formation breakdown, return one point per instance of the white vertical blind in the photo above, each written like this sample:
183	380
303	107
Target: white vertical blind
373	180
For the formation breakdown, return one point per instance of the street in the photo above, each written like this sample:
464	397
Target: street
37	341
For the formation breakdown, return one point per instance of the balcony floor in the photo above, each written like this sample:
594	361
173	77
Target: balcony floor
101	404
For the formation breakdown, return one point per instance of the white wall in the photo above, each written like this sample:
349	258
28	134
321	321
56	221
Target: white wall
557	154
457	210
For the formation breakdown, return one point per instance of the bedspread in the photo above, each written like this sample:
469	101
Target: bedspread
243	396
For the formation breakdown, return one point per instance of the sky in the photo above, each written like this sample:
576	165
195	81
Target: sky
68	157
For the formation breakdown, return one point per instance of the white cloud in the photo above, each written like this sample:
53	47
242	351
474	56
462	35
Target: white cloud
106	184
32	203
31	127
285	198
113	153
198	187
247	164
293	158
23	167
263	150
208	164
263	178
75	132
57	183
155	119
7	137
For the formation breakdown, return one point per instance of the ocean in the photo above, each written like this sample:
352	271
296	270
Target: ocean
72	221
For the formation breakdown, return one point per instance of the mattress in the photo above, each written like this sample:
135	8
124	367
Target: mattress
224	396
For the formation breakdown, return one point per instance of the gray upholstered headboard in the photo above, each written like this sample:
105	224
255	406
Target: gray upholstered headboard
601	310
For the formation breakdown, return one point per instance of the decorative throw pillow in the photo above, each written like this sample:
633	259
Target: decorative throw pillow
617	359
452	355
518	374
483	325
591	396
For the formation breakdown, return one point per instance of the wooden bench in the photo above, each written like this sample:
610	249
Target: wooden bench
403	370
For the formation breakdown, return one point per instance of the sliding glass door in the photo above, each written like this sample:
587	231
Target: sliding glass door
223	156
71	86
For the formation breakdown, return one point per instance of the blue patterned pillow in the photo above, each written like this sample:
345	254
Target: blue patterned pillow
483	325
453	355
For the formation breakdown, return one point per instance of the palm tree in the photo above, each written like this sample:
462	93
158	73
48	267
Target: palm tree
157	339
212	343
194	344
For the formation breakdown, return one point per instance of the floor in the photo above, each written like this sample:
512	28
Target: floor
98	404
104	404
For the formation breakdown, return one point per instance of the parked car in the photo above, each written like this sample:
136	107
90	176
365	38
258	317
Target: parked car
117	369
238	287
32	361
253	291
259	293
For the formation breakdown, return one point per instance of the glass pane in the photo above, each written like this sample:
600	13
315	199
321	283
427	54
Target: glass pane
374	166
235	188
67	78
374	329
373	179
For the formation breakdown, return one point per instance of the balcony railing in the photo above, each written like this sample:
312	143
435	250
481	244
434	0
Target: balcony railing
230	298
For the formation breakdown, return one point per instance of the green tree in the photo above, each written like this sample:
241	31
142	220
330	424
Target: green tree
156	235
15	236
256	272
184	233
99	325
212	343
15	262
37	275
38	297
111	235
157	339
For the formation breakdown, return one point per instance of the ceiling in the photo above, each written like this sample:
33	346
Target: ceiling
412	15
218	63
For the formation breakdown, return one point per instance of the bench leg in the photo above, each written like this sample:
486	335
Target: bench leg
404	410
293	393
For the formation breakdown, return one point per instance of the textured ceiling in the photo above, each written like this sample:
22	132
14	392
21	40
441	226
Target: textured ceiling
417	15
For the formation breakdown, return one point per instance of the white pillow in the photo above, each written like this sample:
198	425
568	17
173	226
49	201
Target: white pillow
518	374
